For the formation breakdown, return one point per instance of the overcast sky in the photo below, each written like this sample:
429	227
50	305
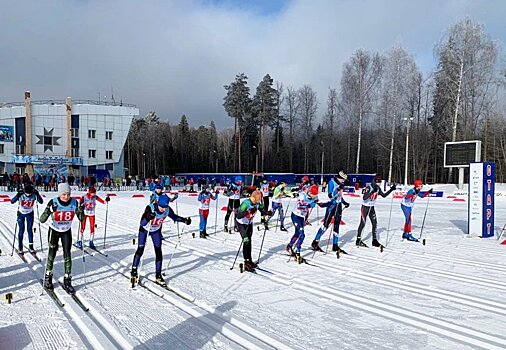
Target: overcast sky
174	57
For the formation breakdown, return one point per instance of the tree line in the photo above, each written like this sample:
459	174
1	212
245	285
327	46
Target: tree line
383	103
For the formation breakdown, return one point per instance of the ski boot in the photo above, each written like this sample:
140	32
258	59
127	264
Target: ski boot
30	248
360	243
92	245
202	235
225	229
289	249
316	246
67	284
282	228
249	266
79	244
339	251
160	281
299	259
205	234
133	276
48	281
375	243
409	237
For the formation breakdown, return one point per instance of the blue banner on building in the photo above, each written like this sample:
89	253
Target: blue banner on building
34	159
6	133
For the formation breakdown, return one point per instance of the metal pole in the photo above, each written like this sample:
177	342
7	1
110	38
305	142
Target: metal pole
321	181
406	158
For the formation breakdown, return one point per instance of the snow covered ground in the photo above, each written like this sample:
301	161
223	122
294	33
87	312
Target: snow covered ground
448	294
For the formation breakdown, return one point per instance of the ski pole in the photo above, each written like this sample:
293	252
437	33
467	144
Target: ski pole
502	231
40	231
175	248
328	239
216	216
142	256
177	223
15	229
389	218
105	226
261	246
238	250
424	215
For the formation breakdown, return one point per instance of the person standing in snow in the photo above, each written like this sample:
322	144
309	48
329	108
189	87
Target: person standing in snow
279	193
265	189
234	200
333	211
308	198
244	218
26	198
62	211
151	223
89	200
407	204
371	193
205	199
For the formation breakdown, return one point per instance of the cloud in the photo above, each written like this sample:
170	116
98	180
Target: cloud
174	57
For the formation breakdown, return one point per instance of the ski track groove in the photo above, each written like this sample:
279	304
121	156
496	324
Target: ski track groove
431	271
427	323
73	312
232	334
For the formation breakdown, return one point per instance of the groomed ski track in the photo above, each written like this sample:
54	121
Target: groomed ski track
333	282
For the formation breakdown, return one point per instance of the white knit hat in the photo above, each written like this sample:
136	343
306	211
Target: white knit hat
63	188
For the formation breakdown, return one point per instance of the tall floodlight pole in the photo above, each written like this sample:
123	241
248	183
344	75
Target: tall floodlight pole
407	150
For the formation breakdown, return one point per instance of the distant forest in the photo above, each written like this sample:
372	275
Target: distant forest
381	99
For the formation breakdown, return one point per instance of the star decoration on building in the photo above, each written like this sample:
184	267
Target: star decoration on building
48	140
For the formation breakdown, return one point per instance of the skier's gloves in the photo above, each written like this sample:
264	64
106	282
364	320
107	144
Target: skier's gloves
312	205
20	192
217	192
341	186
36	192
176	196
346	205
431	190
393	188
53	208
107	198
187	220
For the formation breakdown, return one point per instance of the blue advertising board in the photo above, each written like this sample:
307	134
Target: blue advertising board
481	199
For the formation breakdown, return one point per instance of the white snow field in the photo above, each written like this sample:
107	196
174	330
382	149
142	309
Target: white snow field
447	294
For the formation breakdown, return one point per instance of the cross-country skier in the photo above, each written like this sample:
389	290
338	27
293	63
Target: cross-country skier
234	200
62	211
265	188
151	222
157	192
308	198
205	199
371	193
26	198
333	211
279	193
407	204
244	218
89	200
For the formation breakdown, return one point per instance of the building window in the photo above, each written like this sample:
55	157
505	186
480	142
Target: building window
1	149
92	134
108	154
108	135
74	132
92	153
75	152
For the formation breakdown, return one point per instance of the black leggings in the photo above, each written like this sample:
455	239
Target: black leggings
364	212
232	204
66	242
246	231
